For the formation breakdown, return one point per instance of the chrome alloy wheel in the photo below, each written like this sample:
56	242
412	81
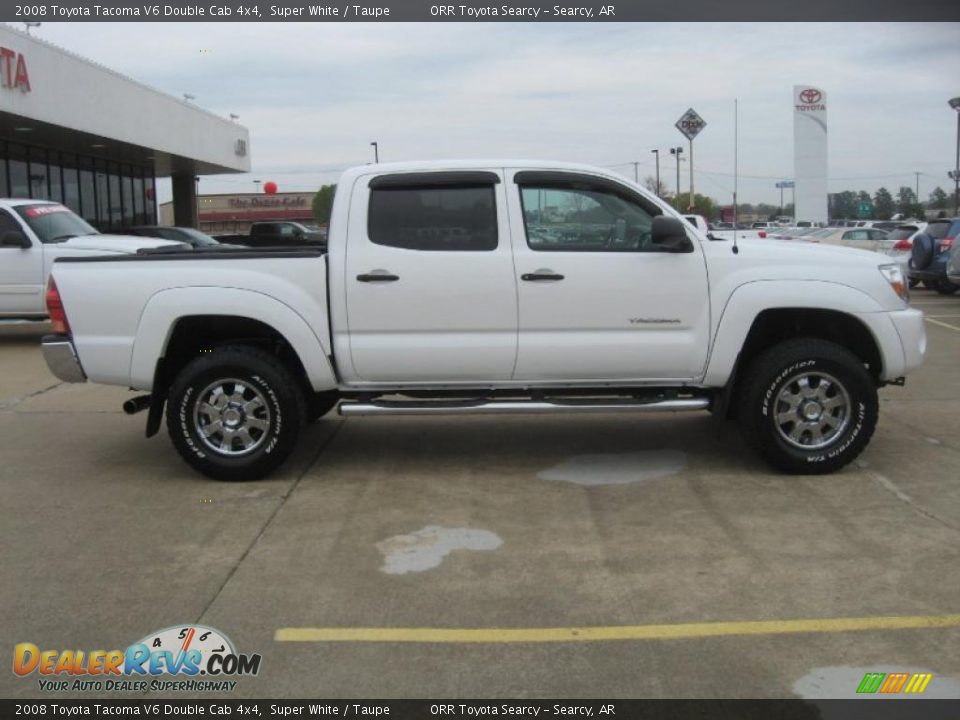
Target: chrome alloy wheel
232	417
812	410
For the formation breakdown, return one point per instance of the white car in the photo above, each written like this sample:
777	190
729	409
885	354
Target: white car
902	238
466	287
34	233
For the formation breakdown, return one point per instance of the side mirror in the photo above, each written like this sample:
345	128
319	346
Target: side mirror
668	234
15	238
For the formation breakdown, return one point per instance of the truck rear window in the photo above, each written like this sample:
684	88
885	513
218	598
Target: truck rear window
439	218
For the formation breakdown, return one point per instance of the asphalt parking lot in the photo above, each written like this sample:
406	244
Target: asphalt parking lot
604	556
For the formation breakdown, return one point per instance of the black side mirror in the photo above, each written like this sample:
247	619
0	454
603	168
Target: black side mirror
15	238
669	235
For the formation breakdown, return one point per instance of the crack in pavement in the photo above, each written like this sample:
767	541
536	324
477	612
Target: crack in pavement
283	500
13	402
891	487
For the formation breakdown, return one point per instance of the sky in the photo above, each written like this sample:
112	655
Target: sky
314	95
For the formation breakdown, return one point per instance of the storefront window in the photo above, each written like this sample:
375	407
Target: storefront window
39	174
17	168
103	196
88	190
71	183
151	205
138	199
116	198
56	176
126	184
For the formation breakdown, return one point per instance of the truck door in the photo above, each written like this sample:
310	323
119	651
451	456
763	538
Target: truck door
430	288
598	301
21	273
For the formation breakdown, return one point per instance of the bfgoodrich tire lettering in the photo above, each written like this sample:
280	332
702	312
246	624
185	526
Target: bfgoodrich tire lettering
808	406
235	413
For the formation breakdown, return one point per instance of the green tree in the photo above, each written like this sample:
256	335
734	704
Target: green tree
938	199
702	205
906	200
883	205
844	204
323	203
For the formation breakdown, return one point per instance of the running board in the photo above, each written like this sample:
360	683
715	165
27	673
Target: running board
515	407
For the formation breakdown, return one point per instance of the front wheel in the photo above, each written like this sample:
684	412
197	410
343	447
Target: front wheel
808	406
235	413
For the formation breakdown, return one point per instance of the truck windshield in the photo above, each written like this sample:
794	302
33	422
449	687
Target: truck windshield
54	223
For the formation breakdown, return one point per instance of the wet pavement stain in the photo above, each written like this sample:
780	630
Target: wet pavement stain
617	468
425	549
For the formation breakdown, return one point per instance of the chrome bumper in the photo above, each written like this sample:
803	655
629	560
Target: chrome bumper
62	358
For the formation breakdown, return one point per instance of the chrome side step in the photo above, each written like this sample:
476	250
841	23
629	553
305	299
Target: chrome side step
516	407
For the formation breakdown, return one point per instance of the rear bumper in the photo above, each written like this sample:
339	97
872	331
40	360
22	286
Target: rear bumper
913	336
62	359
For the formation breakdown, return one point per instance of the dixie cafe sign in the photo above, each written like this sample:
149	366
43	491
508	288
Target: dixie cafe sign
268	202
13	70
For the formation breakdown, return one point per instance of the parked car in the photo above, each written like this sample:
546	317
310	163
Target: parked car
953	266
188	235
278	234
34	233
860	238
902	238
477	310
930	252
699	222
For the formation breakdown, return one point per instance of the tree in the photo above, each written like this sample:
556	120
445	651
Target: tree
650	183
702	205
938	199
323	203
906	200
883	205
844	204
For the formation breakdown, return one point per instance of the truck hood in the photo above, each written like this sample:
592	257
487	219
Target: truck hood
117	243
806	252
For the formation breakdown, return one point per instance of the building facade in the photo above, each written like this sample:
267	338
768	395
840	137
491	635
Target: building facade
79	133
233	213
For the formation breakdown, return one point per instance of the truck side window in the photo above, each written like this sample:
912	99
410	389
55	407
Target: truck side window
8	223
584	220
452	218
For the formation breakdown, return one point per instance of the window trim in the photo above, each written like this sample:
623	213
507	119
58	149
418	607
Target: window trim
434	180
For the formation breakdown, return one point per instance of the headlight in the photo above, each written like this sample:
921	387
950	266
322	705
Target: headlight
894	275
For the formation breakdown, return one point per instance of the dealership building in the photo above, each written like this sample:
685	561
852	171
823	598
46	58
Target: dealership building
79	133
233	214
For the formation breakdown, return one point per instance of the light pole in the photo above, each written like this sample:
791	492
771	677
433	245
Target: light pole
376	152
955	104
657	154
678	151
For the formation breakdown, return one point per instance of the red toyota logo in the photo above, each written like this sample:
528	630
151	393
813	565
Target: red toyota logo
810	96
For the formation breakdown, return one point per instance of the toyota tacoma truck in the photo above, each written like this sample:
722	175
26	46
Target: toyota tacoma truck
491	287
34	233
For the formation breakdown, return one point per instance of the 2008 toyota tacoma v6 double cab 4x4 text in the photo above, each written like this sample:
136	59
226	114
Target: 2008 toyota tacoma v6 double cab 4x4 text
491	287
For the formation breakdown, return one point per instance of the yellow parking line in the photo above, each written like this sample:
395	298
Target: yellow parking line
625	632
943	324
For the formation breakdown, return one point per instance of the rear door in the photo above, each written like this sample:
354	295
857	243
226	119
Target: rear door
21	273
598	301
430	289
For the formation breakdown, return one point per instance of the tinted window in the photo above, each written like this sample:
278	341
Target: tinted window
584	220
938	230
442	218
8	223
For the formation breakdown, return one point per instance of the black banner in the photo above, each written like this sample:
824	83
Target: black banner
476	11
856	709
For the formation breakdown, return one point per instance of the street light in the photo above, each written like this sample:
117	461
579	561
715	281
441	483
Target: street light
955	104
678	151
376	152
657	153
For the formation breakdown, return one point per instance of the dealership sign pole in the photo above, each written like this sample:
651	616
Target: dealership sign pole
690	124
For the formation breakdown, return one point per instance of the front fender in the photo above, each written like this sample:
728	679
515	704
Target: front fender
166	307
747	301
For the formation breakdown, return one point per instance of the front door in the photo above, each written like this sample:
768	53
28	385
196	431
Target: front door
21	274
599	302
430	289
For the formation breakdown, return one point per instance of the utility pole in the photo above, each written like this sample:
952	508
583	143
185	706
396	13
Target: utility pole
636	172
692	196
677	151
657	153
917	191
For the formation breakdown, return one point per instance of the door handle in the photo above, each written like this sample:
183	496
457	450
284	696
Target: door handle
541	275
378	277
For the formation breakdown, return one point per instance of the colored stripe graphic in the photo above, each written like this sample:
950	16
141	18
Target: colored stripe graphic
893	683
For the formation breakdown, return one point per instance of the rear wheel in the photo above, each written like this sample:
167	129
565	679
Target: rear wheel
235	413
808	406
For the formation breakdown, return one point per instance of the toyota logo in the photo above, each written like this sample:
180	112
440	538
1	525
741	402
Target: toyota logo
810	96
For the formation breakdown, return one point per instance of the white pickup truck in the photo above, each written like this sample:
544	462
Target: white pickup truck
34	233
491	287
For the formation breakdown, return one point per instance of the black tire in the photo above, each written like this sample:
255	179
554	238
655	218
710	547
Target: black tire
319	404
922	251
945	287
774	375
269	407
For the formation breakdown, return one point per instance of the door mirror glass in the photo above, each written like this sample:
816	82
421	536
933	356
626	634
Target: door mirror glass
669	235
15	238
